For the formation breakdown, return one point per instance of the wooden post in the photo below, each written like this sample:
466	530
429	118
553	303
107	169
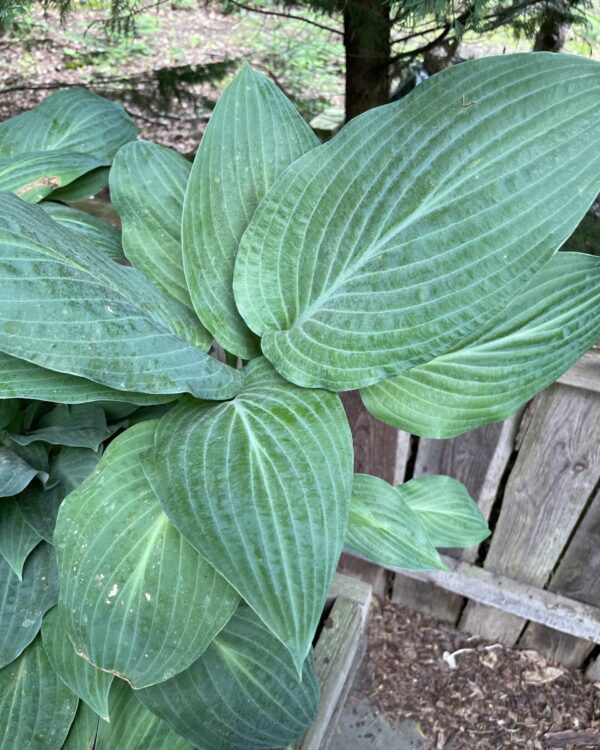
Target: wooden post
553	478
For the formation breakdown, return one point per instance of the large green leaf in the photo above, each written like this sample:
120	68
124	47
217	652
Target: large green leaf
90	684
383	528
260	486
15	472
253	135
138	599
39	505
24	603
84	187
446	510
82	733
407	232
79	426
133	727
68	308
36	707
17	537
147	185
22	379
242	694
105	238
8	409
523	349
74	119
33	176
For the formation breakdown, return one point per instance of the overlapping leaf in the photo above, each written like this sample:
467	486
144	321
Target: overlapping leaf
443	505
242	694
34	176
15	472
24	603
36	707
68	308
83	679
147	185
253	135
105	238
78	426
17	537
138	599
260	486
84	187
82	733
22	379
133	726
75	119
524	349
407	232
383	527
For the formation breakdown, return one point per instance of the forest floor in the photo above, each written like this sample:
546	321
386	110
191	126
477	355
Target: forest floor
169	74
487	697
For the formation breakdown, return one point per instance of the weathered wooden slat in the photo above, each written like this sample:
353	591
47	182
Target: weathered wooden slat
477	459
577	577
585	373
507	596
555	473
379	449
377	577
338	653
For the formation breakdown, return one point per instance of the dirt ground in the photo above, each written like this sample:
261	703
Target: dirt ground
468	694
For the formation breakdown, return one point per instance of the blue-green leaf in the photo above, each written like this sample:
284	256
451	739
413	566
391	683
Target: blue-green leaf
383	528
520	352
68	308
406	233
260	485
242	694
147	185
104	237
253	135
17	537
138	599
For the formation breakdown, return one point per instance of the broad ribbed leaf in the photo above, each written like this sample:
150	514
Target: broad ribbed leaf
27	380
24	603
242	694
79	426
68	308
260	486
420	220
253	135
33	176
523	349
39	505
147	185
74	119
138	599
444	507
36	707
8	408
133	727
383	528
105	238
17	537
84	187
15	473
90	684
82	733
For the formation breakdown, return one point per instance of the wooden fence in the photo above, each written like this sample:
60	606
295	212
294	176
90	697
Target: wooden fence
536	477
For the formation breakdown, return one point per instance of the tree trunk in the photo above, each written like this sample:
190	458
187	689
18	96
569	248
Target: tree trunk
368	51
552	33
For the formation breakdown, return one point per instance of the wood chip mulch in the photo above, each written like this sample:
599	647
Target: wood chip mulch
468	694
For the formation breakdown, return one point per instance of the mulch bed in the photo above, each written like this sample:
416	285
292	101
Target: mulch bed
469	694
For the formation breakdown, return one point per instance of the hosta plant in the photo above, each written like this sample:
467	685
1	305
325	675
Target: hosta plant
413	257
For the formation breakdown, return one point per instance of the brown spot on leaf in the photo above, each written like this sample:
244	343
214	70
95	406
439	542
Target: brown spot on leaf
53	182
